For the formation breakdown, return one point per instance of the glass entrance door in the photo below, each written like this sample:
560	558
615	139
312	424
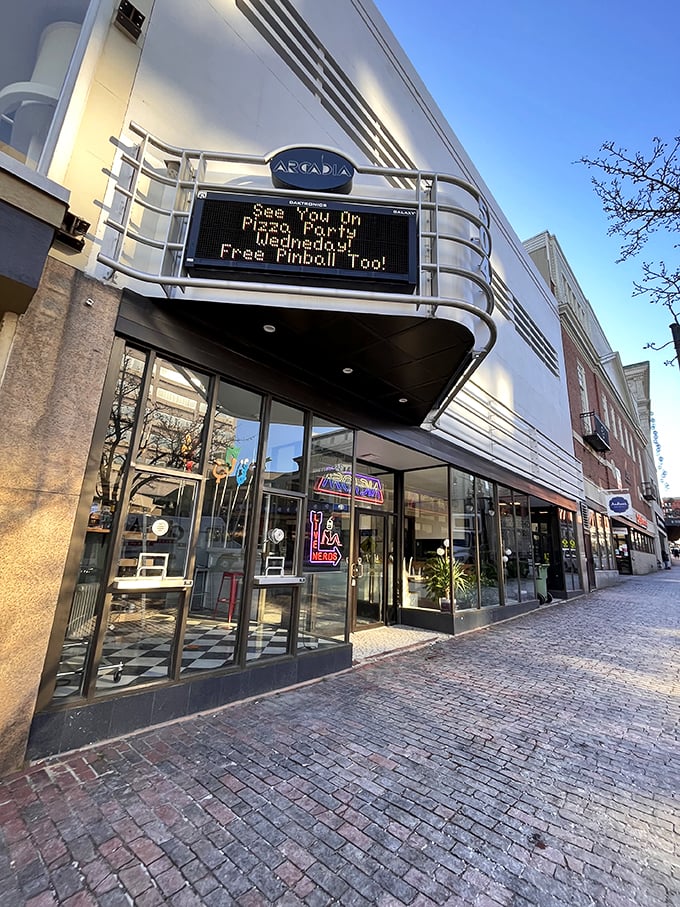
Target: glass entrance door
372	579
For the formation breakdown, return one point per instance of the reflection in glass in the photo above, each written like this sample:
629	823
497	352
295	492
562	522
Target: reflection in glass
463	548
508	545
225	524
426	527
488	540
572	577
116	452
88	596
372	557
276	558
155	538
525	553
602	545
268	630
172	430
138	641
285	445
323	598
374	487
277	536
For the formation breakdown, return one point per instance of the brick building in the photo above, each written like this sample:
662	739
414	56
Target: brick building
609	413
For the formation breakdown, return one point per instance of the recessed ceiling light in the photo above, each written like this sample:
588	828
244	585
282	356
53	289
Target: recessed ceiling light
403	399
268	328
347	371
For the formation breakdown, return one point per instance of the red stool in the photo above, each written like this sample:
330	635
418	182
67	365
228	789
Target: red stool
234	578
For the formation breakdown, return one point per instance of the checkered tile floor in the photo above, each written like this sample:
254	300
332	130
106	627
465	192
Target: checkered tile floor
139	651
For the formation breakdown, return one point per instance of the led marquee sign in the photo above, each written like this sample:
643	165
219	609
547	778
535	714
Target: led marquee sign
285	238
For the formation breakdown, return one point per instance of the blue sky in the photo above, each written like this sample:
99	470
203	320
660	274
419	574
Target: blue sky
529	87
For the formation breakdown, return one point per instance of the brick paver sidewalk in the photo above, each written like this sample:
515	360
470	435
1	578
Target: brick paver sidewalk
536	763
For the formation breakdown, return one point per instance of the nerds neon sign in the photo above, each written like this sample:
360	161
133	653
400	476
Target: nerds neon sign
324	541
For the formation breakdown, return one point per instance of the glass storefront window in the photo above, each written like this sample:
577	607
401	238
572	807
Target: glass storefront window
285	448
138	643
277	536
607	543
603	563
516	546
89	591
597	536
136	617
224	531
489	543
158	524
525	548
601	542
275	588
426	527
172	429
325	555
506	507
463	547
154	549
271	609
570	560
116	451
373	488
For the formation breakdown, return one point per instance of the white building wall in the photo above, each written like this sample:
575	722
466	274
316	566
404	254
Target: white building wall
206	78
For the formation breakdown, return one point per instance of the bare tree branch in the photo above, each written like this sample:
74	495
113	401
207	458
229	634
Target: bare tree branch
641	193
662	286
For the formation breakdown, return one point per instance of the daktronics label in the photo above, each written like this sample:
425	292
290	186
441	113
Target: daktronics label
286	237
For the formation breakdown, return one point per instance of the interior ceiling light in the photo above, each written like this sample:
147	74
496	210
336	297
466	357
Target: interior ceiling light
347	371
403	399
268	328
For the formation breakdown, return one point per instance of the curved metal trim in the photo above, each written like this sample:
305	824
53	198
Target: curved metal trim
429	192
324	292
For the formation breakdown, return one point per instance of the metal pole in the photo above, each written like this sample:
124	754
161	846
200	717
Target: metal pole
675	331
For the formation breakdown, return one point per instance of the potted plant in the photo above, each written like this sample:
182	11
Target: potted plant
443	575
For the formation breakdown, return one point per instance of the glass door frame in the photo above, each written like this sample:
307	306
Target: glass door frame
181	585
388	589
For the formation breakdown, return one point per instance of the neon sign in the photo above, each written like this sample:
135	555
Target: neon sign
324	543
338	483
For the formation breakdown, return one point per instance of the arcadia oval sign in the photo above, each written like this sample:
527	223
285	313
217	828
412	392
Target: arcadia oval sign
311	169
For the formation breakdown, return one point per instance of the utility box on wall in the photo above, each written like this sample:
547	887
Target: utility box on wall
129	19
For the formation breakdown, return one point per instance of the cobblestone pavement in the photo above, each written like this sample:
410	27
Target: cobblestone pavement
535	763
